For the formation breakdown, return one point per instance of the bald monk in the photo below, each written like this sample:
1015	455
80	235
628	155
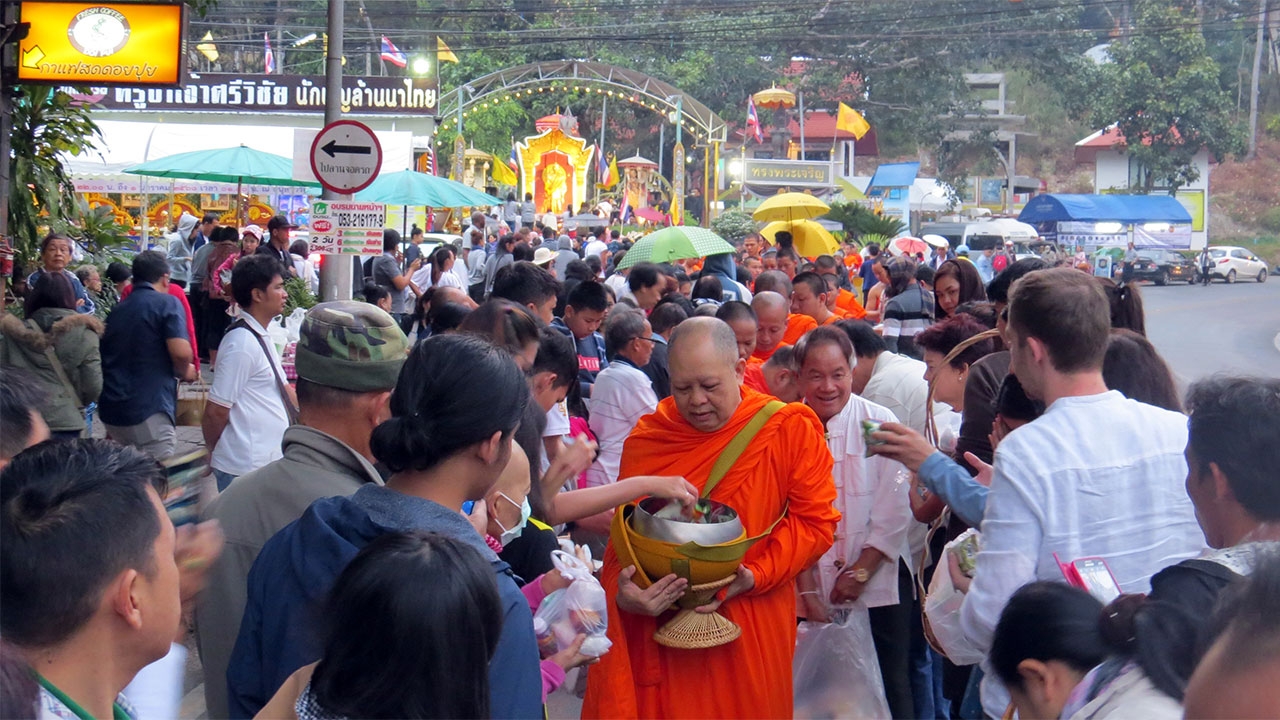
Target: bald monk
797	325
775	324
780	375
845	303
742	320
786	468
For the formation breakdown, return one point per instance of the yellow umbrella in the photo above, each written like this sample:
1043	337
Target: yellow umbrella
811	239
790	206
775	98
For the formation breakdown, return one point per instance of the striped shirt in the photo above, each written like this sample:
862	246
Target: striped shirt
906	315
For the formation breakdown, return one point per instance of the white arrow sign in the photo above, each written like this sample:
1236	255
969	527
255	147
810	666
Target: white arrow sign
346	156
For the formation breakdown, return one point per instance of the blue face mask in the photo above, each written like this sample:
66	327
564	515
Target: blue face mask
510	535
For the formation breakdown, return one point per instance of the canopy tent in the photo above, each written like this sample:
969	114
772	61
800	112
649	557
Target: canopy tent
1125	209
927	194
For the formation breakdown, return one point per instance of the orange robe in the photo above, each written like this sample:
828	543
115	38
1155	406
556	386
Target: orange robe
760	355
848	304
786	467
754	377
797	326
833	318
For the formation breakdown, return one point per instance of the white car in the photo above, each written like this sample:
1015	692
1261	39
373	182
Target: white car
1232	263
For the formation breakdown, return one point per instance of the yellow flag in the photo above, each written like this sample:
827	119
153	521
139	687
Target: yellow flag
502	172
851	121
443	53
614	177
207	48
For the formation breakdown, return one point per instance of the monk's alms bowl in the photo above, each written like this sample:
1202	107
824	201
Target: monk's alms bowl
661	519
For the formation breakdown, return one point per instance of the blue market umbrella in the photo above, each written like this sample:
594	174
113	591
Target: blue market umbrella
409	187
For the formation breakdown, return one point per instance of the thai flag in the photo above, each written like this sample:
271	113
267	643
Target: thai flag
514	160
753	121
268	57
602	166
392	54
625	214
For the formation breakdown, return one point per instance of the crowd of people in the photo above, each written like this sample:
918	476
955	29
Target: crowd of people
485	405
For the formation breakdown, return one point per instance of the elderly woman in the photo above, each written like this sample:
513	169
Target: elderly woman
55	254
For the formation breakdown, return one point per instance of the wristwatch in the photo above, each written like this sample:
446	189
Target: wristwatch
861	575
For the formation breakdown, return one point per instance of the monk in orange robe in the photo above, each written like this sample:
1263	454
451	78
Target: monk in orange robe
771	311
797	327
810	298
784	473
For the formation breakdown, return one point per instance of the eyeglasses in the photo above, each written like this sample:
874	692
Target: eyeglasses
647	339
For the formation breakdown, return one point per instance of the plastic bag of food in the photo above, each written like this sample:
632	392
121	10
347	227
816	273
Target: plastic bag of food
943	601
580	609
835	673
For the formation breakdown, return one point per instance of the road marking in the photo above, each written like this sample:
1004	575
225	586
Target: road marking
1277	342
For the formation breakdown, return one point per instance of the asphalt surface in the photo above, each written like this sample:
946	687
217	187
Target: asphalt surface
1221	328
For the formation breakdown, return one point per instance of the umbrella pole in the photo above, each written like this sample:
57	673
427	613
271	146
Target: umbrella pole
143	241
239	202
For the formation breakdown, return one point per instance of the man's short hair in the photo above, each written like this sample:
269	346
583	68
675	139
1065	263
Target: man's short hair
998	288
588	295
390	240
524	283
1067	311
735	310
1235	424
85	272
783	357
21	394
210	217
873	249
867	343
254	272
826	264
556	354
149	266
620	328
824	335
667	315
816	284
643	275
73	516
774	281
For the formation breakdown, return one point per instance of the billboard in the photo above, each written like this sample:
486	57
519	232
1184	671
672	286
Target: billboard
83	43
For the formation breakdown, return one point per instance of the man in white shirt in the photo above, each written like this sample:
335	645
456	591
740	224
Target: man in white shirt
250	403
869	559
889	379
622	393
596	246
1097	475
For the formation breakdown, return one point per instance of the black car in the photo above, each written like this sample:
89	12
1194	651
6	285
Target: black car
1161	266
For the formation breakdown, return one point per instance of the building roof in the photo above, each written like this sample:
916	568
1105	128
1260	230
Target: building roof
1109	138
893	175
1128	209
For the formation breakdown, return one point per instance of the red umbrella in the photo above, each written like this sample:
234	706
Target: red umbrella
909	246
650	214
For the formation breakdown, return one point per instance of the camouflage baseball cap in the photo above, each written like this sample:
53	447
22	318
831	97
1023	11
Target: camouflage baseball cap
350	345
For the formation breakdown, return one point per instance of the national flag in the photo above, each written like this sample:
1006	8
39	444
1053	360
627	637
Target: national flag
443	53
602	167
852	122
502	174
514	159
268	57
207	48
392	54
625	213
753	121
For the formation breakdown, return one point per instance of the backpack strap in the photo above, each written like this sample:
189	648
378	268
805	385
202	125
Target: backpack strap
289	409
738	445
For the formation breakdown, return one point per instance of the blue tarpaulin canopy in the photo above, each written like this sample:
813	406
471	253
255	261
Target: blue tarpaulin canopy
1127	209
893	175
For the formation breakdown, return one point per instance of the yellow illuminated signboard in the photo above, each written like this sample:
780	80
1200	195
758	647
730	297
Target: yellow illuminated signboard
93	43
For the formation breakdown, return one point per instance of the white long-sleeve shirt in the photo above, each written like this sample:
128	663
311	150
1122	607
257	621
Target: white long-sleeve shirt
1095	476
621	395
871	495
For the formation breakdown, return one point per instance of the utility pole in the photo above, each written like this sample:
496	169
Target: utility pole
1253	81
336	271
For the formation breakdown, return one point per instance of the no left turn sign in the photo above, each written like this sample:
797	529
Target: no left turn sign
346	156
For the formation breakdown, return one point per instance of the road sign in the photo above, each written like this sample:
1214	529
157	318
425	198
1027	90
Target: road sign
347	228
122	43
346	156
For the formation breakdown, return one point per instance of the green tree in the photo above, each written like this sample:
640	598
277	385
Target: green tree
47	124
1163	92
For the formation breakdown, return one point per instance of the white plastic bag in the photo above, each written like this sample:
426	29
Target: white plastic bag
293	323
942	609
835	672
578	609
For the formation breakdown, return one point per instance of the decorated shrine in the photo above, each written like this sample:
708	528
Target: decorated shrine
639	178
554	164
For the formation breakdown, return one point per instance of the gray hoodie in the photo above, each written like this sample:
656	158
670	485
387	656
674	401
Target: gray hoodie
180	248
564	256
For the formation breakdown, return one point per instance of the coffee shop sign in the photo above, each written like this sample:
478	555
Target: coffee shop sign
280	93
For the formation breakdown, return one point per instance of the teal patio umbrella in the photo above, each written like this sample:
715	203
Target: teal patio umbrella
677	242
237	165
409	187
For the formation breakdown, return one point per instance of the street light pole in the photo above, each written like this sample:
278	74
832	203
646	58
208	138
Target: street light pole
336	271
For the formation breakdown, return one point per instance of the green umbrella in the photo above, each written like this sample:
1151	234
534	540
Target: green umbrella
230	165
677	242
414	188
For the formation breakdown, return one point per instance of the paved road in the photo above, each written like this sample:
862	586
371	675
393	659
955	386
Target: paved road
1220	328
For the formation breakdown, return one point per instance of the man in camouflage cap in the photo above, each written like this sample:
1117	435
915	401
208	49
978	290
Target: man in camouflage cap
348	359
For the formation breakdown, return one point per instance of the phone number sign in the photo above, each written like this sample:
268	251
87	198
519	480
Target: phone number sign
347	228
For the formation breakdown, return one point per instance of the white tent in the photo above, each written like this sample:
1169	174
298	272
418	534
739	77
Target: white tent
927	194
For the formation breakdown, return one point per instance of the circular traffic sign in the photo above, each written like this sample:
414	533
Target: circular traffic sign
346	156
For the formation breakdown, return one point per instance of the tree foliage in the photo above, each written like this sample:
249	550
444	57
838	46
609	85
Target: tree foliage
1162	91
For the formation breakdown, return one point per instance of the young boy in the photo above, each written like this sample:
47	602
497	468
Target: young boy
584	310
